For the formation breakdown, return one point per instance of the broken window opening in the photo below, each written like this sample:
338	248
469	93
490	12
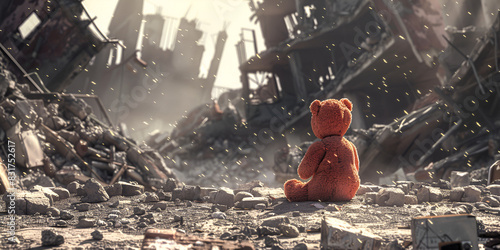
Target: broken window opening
263	88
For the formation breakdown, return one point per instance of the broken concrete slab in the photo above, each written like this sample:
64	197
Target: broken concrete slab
62	192
338	234
390	197
274	193
114	190
460	179
275	221
429	194
131	189
94	191
456	194
51	238
471	194
224	196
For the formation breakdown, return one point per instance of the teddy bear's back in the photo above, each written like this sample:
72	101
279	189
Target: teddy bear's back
338	169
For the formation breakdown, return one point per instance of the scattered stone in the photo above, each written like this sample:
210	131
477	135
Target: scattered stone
60	223
471	194
86	223
240	195
189	204
73	186
219	215
62	192
370	198
225	196
390	197
429	194
94	191
265	230
151	197
163	196
97	235
205	191
131	189
296	213
492	202
54	212
51	238
411	199
82	207
456	194
363	189
177	218
275	193
275	221
47	192
170	185
250	202
494	189
114	190
139	210
460	179
271	241
161	205
66	215
289	230
36	202
142	225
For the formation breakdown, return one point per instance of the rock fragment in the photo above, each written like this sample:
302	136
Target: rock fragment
390	197
471	194
51	238
95	192
97	235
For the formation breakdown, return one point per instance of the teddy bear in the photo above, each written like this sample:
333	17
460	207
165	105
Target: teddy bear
332	162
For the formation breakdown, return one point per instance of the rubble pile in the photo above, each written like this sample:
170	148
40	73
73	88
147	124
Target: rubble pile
59	136
213	147
254	215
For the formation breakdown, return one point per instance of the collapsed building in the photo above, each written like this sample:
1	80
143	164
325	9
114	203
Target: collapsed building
60	135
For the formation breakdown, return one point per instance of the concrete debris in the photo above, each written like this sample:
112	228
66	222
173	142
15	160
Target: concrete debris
165	237
86	223
390	197
288	230
460	179
51	238
338	234
275	221
471	194
94	192
97	235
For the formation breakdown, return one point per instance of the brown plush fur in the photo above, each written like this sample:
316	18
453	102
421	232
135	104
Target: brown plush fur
332	162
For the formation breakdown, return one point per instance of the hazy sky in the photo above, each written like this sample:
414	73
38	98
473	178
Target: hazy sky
211	14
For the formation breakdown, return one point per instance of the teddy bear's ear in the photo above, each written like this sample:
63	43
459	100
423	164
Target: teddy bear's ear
315	106
347	103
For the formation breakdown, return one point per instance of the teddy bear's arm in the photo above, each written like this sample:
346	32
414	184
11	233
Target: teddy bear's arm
356	159
311	160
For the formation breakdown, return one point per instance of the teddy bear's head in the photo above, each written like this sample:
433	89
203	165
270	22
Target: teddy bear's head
330	117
